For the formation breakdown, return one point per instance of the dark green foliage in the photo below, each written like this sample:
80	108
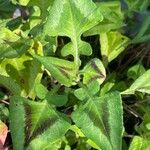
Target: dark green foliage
74	74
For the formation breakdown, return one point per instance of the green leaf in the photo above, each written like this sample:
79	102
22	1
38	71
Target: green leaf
139	143
12	45
34	125
144	127
8	35
106	88
10	84
6	9
68	18
112	44
112	18
4	112
137	5
101	120
40	90
24	70
43	5
136	71
84	92
61	70
141	84
94	70
22	2
58	100
144	33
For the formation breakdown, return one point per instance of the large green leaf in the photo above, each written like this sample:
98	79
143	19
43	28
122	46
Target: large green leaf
141	84
71	18
101	120
139	143
34	125
112	44
62	70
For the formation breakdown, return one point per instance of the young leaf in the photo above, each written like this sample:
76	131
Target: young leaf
84	92
40	90
61	70
101	120
141	84
136	71
94	70
112	44
68	18
34	125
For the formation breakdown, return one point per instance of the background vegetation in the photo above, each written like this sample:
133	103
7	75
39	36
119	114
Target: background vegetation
75	74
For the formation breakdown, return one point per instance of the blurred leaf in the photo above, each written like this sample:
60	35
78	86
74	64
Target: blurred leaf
88	90
43	5
139	143
4	112
39	124
112	44
12	45
8	35
141	84
58	100
137	5
135	71
54	146
98	115
144	127
106	88
6	9
3	134
144	32
40	90
10	84
90	142
119	86
94	70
